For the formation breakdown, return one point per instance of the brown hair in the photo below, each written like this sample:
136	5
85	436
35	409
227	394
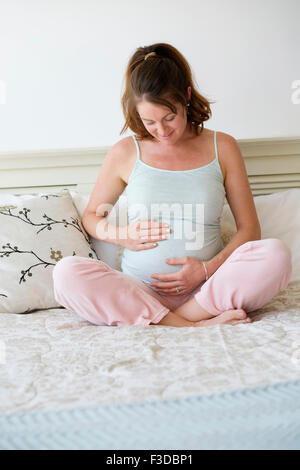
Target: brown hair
165	74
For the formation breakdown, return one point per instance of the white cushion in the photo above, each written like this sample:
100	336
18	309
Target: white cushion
35	233
279	217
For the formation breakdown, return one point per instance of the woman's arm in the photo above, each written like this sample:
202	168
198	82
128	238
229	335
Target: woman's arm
108	187
239	197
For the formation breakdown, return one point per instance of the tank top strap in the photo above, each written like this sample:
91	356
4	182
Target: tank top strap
216	148
137	148
139	155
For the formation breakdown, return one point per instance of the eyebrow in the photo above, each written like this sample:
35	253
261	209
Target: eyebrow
145	119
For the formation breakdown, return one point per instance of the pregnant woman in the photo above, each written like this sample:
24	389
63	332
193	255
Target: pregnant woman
176	174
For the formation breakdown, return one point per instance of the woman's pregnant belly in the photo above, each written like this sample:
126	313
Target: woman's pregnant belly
142	264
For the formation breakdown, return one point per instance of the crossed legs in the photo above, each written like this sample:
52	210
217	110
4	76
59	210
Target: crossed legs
250	277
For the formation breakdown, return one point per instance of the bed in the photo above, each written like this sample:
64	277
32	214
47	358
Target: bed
68	384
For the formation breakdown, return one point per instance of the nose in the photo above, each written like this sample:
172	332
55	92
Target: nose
162	131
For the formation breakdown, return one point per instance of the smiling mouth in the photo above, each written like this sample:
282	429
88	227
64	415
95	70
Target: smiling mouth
165	136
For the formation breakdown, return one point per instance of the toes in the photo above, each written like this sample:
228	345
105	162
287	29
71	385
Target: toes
239	322
235	314
241	314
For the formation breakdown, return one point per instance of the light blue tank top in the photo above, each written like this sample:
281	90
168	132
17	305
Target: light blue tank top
190	201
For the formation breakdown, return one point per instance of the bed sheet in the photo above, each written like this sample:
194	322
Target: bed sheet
52	359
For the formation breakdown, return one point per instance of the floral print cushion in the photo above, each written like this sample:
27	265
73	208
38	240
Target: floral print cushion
34	235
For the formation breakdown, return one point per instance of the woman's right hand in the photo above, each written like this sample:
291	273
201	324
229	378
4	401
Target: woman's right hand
144	234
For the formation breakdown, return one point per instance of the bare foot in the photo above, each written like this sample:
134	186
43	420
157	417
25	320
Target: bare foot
229	317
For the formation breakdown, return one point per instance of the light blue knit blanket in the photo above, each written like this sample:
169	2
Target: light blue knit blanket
265	417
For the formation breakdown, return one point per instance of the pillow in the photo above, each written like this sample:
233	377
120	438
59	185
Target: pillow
279	217
35	233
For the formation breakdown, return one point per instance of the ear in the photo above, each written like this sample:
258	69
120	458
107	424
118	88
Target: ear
189	93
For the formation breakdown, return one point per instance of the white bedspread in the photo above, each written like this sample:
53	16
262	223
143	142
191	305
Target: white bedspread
52	359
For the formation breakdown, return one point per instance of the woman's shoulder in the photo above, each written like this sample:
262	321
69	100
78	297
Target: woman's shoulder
226	144
226	147
123	144
124	151
221	137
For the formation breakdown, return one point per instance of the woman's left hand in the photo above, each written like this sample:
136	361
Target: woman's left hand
191	275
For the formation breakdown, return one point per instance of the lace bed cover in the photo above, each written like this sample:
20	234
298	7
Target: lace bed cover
51	359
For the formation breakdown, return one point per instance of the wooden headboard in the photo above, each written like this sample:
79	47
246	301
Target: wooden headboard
272	165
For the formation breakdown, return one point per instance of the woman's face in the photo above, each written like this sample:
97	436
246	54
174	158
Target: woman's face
161	122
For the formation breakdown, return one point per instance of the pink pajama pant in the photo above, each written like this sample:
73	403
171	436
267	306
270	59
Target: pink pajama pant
249	278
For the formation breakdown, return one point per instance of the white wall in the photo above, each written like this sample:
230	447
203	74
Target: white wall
62	64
